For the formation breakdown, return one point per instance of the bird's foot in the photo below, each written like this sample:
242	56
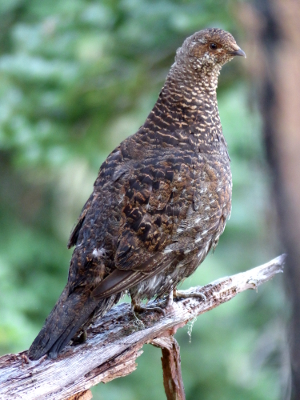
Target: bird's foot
170	299
138	320
139	309
183	295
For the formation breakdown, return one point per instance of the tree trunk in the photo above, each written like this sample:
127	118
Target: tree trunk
274	34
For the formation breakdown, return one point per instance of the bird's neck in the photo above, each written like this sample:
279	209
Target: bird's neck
187	98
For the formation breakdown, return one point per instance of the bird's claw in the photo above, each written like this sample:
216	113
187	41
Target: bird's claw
183	295
138	321
139	309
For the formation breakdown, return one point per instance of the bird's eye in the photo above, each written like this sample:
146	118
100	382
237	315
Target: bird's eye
213	46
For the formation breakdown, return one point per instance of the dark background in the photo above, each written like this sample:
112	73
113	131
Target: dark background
76	78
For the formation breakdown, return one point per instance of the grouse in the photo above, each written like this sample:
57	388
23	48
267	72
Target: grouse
160	201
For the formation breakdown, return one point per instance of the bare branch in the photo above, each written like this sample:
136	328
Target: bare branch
171	365
115	341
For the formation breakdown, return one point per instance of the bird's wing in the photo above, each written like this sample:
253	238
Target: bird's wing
158	195
75	232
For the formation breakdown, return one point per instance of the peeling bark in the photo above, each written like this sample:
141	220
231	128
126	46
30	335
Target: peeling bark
171	365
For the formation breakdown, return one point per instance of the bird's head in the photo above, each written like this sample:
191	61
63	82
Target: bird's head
208	49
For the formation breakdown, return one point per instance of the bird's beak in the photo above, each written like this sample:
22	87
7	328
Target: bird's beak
237	51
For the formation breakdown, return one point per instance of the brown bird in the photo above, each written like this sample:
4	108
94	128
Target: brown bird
160	201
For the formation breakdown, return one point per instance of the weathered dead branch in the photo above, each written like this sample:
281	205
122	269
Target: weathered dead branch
171	365
115	341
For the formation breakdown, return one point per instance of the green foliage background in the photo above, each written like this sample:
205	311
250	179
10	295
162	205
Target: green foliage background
77	77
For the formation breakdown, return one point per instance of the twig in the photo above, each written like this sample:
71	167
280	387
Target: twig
171	365
115	341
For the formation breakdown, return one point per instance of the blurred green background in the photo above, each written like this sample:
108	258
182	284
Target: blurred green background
76	78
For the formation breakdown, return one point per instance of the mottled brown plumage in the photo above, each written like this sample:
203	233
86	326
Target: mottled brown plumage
160	202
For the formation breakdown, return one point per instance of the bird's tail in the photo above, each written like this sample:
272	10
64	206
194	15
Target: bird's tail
70	313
